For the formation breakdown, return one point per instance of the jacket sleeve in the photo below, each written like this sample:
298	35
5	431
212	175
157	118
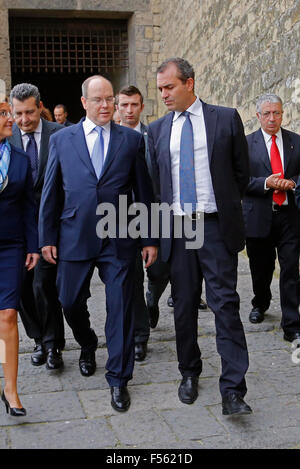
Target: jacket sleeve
30	213
240	154
51	200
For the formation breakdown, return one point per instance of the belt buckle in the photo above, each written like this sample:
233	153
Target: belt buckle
196	216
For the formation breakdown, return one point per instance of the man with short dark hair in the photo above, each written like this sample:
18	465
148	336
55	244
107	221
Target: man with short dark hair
271	217
200	153
40	311
61	115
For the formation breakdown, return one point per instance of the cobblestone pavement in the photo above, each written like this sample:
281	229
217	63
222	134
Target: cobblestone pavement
66	410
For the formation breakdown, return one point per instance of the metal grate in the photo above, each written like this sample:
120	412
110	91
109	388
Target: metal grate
68	46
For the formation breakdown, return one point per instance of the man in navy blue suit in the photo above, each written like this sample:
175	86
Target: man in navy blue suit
218	159
92	163
271	217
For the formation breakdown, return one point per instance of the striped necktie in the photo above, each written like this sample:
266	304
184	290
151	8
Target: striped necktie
97	156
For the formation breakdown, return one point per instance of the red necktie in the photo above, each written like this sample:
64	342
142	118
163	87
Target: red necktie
276	164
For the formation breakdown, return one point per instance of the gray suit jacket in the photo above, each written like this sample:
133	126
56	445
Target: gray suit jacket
48	128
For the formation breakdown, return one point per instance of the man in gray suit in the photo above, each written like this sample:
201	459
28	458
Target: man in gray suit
40	310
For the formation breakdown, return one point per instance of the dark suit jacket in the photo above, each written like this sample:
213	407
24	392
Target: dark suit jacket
229	167
257	203
48	128
17	204
72	191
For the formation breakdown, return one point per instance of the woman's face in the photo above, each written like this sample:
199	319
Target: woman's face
6	121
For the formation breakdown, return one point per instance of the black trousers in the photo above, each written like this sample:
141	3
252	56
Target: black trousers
219	268
262	256
40	310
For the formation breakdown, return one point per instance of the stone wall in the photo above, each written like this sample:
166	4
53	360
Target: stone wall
239	49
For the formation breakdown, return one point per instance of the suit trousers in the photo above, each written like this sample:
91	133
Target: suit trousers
73	281
262	255
219	268
40	310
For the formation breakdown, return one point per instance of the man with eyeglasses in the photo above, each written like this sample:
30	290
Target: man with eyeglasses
271	217
91	163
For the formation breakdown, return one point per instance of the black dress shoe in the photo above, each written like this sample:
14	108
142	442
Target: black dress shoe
202	305
87	363
153	310
233	403
120	399
170	302
291	337
54	359
38	356
256	316
140	351
188	389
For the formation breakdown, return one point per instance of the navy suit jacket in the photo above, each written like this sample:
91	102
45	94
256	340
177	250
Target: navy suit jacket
72	191
48	128
257	203
17	204
229	167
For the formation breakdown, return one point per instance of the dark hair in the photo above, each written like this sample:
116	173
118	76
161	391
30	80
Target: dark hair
24	91
62	106
184	68
130	91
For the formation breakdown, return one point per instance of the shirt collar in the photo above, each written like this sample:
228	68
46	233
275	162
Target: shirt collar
268	137
38	130
195	108
89	126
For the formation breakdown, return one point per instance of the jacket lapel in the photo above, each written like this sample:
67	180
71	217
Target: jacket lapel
260	149
78	141
115	141
210	119
166	129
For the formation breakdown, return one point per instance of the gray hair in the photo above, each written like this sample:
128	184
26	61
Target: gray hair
184	68
267	98
24	91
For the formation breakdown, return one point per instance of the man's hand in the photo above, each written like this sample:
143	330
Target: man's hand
50	254
31	260
279	184
149	254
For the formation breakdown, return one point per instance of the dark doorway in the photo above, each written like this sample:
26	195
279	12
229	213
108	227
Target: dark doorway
57	55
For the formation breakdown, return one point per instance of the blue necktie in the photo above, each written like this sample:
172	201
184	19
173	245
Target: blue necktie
32	152
97	156
188	193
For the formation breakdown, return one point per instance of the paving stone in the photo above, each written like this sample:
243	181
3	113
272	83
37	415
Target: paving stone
195	423
44	407
134	428
4	438
73	434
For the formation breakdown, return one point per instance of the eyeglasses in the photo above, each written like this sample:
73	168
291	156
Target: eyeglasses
267	114
100	101
5	114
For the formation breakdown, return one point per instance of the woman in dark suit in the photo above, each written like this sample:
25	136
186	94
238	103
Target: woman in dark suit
18	246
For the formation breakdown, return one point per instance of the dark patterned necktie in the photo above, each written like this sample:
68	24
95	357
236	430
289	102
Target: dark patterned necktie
187	180
32	152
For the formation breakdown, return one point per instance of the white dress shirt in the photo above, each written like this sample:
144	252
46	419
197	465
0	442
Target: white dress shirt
91	134
206	201
279	143
37	137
